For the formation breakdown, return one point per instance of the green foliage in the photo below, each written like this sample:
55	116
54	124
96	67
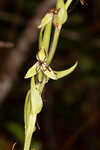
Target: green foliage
16	130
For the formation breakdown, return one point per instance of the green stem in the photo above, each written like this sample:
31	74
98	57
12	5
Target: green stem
30	131
54	44
56	37
40	38
46	37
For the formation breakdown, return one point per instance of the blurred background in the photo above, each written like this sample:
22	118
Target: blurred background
70	117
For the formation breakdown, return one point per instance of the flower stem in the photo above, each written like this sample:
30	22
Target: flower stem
30	131
54	44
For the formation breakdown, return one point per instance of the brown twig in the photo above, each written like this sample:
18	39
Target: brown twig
6	44
18	55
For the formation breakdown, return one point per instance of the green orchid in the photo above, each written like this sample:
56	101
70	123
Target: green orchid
41	65
41	72
46	19
58	15
33	106
62	15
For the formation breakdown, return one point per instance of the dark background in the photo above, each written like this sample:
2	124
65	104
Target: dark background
70	117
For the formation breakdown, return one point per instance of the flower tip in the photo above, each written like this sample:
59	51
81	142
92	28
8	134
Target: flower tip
25	77
39	27
76	63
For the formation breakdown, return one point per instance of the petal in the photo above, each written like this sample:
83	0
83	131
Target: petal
41	55
61	74
57	74
32	71
49	72
46	19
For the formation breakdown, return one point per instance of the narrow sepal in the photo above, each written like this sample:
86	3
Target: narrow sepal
57	74
46	19
32	71
61	74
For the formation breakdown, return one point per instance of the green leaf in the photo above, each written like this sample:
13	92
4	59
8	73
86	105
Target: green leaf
36	99
32	71
58	74
46	19
16	130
